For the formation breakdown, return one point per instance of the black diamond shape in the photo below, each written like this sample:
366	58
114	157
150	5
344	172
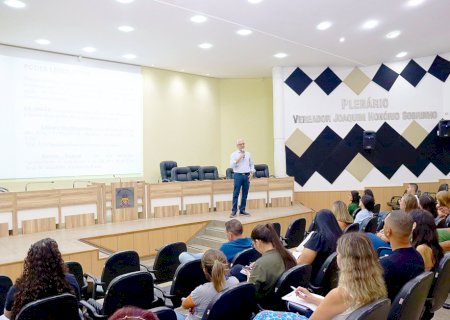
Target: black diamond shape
440	68
413	73
328	81
298	81
385	77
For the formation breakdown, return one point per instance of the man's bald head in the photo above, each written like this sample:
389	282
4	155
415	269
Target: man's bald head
399	223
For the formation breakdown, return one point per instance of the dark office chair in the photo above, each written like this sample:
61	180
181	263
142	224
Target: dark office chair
188	276
277	227
63	306
166	261
194	172
327	278
229	173
237	302
166	170
354	227
377	310
410	301
76	269
117	264
376	208
164	313
5	284
131	289
369	225
440	288
261	171
181	174
208	173
295	233
245	257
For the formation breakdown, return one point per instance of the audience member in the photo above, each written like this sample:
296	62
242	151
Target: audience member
427	202
404	263
369	192
409	202
340	211
44	275
425	238
367	204
236	243
133	313
215	267
270	266
360	282
443	208
413	190
443	187
354	198
444	238
322	242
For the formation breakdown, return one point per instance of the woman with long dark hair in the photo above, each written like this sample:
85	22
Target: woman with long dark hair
44	275
354	198
427	202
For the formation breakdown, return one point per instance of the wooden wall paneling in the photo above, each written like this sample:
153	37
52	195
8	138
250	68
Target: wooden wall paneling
170	235
256	203
155	240
141	243
38	225
37	199
109	243
125	242
13	270
167	211
281	202
222	186
4	229
286	183
224	205
196	208
80	220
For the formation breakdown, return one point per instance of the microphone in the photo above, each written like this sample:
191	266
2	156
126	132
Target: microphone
117	177
76	181
36	182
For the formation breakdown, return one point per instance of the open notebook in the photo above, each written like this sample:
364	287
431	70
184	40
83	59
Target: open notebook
293	298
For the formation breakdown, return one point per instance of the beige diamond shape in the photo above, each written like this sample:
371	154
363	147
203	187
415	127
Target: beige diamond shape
357	81
415	134
298	142
359	167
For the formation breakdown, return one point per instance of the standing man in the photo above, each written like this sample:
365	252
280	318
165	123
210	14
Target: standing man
242	164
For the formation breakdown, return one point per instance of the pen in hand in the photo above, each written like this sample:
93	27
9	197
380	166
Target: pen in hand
298	293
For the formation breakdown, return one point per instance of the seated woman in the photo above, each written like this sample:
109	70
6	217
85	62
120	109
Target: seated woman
427	202
215	267
360	282
354	198
425	238
275	260
340	211
322	242
443	208
44	275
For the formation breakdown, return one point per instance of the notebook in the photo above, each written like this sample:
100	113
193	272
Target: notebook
292	297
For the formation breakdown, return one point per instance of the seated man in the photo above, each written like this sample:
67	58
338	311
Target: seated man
404	263
367	204
236	243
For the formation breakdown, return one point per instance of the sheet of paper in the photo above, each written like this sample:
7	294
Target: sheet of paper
292	297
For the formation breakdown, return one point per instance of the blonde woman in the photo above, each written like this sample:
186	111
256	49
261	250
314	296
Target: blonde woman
343	217
443	207
215	267
360	282
408	203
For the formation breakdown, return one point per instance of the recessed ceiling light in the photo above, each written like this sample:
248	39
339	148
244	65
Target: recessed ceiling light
401	54
280	55
15	4
370	24
42	41
393	34
89	49
341	39
129	56
199	19
323	25
125	1
255	1
205	45
244	32
125	28
413	3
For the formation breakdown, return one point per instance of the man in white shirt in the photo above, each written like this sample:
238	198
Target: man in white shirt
242	164
412	189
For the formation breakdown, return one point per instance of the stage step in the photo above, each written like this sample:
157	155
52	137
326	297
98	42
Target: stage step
197	248
208	241
218	232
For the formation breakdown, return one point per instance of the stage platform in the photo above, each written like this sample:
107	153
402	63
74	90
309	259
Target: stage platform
86	244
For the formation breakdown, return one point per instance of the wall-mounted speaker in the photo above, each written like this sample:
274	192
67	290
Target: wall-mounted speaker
444	129
369	139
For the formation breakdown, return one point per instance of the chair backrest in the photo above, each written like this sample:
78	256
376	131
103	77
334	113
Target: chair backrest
166	261
441	286
354	227
229	173
188	276
369	225
208	173
384	251
377	310
409	302
63	306
261	171
119	263
277	227
76	269
376	208
131	289
5	284
355	212
327	278
237	302
194	172
294	277
166	169
164	313
246	257
181	174
295	233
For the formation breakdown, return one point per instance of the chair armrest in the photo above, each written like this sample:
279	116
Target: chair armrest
96	283
91	310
